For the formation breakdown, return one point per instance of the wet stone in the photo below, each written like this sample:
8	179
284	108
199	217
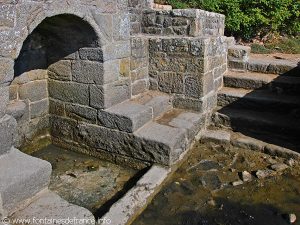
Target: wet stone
206	165
290	162
211	181
271	161
187	187
292	218
260	202
246	176
237	183
84	180
279	167
211	202
261	174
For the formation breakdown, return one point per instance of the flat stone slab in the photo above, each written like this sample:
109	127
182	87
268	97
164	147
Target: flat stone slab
170	136
220	136
51	209
158	101
136	199
271	65
251	80
248	143
192	122
262	99
21	176
267	121
127	116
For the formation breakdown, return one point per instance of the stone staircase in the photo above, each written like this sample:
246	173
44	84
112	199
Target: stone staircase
146	127
149	123
260	98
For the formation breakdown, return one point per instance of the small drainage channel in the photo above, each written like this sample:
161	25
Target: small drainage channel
87	181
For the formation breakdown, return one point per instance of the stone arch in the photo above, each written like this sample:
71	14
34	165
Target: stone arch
58	62
49	13
70	32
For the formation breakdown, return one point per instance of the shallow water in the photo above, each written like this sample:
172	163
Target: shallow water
201	191
84	180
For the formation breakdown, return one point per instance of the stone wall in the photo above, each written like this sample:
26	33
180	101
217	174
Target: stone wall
64	63
36	77
139	63
191	69
183	22
136	8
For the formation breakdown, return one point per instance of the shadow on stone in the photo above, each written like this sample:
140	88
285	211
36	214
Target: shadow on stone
55	38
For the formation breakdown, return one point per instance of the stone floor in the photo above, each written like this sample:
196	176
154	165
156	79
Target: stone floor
84	180
221	184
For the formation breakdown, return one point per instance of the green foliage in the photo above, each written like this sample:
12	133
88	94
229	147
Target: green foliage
178	4
260	49
285	45
249	18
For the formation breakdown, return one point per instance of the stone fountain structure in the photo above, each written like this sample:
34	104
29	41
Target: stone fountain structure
114	79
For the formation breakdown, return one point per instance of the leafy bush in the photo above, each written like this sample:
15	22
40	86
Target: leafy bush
249	18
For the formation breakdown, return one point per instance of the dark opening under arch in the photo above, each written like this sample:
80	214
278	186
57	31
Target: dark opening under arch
55	38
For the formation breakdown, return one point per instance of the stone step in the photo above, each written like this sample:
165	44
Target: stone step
171	134
158	101
247	121
166	143
127	116
251	141
21	177
131	115
49	205
258	100
263	64
192	122
251	80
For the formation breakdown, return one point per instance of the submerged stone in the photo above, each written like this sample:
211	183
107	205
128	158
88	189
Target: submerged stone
279	167
261	174
211	181
206	165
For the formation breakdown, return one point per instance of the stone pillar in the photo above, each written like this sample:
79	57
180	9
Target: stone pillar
7	123
139	65
191	69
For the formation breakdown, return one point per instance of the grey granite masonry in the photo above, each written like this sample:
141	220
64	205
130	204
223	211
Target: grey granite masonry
87	62
110	78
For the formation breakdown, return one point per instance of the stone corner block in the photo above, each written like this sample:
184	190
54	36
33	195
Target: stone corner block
7	132
188	103
126	116
105	96
4	98
238	52
218	136
6	70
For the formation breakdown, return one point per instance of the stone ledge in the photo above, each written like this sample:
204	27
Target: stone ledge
49	205
218	136
127	208
25	178
239	52
126	116
161	7
7	132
